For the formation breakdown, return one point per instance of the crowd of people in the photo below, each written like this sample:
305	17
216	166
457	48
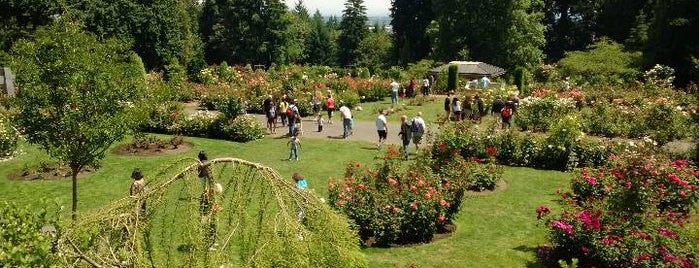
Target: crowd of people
473	108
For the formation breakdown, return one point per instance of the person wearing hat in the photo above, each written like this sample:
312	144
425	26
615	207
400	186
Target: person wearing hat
137	187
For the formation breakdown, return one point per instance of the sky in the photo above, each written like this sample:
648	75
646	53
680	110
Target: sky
335	7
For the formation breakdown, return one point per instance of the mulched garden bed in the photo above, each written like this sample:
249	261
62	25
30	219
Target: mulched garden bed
151	145
46	172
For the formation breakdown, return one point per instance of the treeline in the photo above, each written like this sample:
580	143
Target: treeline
179	37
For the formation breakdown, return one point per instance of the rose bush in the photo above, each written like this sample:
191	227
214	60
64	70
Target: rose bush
630	213
393	204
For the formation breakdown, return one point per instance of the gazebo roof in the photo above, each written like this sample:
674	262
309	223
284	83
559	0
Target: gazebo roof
471	68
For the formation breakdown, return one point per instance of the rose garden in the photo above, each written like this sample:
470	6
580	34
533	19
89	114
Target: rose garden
599	168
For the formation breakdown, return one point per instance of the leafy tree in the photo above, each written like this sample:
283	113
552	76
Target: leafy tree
164	33
353	29
569	24
320	45
19	18
297	34
244	31
669	40
410	20
605	60
504	32
374	50
77	95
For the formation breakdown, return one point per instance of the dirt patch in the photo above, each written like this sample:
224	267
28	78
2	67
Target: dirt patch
46	172
501	186
149	146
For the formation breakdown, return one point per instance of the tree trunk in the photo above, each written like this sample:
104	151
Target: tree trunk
74	172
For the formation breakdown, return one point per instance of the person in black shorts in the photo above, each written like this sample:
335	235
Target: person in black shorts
381	128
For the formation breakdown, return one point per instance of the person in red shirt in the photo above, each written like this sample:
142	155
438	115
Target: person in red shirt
330	105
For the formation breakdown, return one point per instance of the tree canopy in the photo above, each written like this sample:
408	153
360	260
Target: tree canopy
77	95
353	29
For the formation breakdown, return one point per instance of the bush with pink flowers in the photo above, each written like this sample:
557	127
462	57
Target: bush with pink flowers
631	213
392	203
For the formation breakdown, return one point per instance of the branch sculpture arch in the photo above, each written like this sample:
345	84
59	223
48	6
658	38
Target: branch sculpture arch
253	222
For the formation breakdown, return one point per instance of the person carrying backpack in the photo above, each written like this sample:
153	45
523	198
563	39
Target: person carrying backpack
292	114
418	129
506	114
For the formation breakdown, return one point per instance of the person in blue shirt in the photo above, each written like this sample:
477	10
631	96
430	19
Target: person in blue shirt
485	81
301	186
301	183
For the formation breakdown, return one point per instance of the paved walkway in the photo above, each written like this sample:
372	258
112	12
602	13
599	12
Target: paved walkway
364	131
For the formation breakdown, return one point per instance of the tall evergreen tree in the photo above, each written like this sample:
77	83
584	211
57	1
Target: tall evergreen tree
375	49
409	20
320	45
297	34
244	31
353	29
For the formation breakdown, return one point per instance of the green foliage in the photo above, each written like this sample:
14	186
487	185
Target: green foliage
29	236
391	205
243	129
244	31
348	98
320	46
9	136
409	22
77	95
631	213
251	221
453	76
18	19
373	52
539	113
605	62
353	31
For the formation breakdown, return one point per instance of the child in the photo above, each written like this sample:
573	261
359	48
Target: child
294	145
137	187
320	122
301	183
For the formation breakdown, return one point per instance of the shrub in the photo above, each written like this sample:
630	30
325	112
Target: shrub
665	123
243	129
453	76
28	236
603	63
9	136
393	204
631	213
347	98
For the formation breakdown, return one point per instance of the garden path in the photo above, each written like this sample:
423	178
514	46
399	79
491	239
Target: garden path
363	130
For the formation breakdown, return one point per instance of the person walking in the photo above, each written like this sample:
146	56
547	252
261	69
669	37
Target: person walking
270	113
456	107
405	134
281	110
426	86
292	112
498	104
447	107
418	129
381	129
394	86
346	121
330	105
294	145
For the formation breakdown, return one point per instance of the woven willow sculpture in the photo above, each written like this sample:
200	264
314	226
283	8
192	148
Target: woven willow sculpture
252	222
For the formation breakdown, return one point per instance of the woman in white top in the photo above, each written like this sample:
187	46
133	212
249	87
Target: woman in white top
456	108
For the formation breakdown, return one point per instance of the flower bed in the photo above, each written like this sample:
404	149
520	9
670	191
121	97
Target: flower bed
565	148
395	204
630	213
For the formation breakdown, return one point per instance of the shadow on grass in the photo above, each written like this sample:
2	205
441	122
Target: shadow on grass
335	137
531	250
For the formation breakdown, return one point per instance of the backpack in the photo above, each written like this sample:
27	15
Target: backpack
415	127
506	112
289	112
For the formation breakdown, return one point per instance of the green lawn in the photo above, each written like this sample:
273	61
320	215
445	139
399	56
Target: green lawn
432	108
494	230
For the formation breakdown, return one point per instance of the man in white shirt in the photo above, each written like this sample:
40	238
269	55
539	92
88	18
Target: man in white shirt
381	128
426	86
346	120
418	129
394	91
